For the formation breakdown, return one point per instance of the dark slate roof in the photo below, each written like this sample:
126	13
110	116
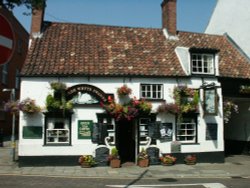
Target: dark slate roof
67	49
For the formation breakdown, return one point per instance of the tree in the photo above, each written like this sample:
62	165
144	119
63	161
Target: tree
10	4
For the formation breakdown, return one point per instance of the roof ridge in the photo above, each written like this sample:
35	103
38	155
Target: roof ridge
101	25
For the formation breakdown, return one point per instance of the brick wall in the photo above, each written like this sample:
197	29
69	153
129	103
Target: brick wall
21	40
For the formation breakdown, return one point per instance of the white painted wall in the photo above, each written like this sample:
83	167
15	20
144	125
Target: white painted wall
39	88
232	17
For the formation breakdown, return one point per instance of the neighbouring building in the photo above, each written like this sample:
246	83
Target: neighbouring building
13	43
231	18
91	68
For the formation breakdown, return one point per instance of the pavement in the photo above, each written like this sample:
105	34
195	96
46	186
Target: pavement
236	166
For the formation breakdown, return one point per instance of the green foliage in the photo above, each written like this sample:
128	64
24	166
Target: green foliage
114	151
10	4
58	86
57	102
114	154
87	159
186	101
143	155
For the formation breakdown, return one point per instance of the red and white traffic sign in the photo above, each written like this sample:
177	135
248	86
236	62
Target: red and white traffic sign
6	40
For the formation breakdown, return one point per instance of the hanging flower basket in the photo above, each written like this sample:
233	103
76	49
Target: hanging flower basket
29	106
12	107
186	101
127	111
124	91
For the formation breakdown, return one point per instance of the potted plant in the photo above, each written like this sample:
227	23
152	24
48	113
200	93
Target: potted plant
143	158
123	91
12	107
129	110
114	158
29	106
86	161
58	86
168	160
190	159
229	107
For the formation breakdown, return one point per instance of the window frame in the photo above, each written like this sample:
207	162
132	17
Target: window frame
203	72
149	92
51	118
188	120
143	130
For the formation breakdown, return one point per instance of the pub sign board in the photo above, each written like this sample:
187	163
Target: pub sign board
85	129
87	94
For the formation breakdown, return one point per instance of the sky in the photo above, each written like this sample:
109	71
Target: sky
192	15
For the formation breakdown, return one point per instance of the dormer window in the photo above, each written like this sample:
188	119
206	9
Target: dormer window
202	63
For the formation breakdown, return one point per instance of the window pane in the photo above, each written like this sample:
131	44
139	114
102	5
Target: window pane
154	95
203	63
153	91
186	132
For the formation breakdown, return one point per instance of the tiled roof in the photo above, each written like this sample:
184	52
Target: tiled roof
80	49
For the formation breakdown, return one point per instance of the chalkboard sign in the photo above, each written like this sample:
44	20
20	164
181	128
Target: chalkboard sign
85	129
211	131
166	132
154	130
153	153
101	156
32	132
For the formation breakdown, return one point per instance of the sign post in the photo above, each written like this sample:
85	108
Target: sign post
6	40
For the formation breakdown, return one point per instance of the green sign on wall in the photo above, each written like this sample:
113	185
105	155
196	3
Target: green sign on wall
84	129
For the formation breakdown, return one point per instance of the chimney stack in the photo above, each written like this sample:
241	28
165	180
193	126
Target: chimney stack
37	20
169	16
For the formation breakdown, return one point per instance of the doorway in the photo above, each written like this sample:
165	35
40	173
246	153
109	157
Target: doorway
125	140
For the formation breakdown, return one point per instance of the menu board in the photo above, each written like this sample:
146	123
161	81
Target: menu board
166	131
211	131
85	129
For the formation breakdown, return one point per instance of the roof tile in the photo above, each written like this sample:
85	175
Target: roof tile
94	50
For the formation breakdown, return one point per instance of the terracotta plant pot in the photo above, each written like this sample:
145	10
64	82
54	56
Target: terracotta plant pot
115	163
190	162
168	164
85	165
143	163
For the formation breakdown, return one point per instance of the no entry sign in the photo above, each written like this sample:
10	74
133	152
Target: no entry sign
6	40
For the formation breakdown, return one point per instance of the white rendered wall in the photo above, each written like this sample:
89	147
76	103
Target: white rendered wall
39	88
232	17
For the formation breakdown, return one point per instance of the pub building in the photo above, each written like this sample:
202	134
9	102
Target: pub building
101	87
